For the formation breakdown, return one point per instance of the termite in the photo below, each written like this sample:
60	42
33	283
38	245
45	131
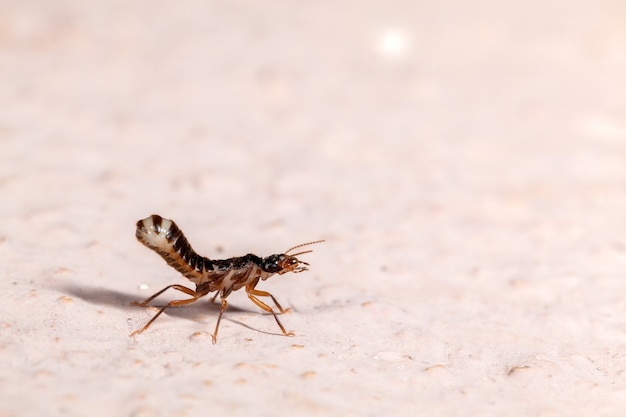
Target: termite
223	276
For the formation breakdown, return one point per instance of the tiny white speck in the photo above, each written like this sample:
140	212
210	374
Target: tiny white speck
143	286
393	43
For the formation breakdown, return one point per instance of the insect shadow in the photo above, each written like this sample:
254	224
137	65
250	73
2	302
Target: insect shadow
121	300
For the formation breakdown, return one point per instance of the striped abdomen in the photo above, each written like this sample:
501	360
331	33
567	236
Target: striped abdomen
166	239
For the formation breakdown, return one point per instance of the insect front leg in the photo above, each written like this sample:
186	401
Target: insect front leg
260	293
252	295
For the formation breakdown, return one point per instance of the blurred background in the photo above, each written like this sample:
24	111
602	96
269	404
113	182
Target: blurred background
366	121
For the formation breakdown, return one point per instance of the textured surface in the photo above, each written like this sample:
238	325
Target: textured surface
465	161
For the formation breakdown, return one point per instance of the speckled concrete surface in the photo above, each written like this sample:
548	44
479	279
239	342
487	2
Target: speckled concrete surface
465	162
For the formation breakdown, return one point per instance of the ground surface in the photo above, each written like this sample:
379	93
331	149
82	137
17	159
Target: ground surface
465	162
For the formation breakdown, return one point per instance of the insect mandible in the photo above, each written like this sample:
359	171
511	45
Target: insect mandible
222	276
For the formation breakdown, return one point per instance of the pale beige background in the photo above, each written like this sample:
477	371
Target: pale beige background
465	161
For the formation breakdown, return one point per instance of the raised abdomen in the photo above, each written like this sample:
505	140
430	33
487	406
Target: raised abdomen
165	238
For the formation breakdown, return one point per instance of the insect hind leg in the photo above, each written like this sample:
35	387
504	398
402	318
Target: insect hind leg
175	303
153	296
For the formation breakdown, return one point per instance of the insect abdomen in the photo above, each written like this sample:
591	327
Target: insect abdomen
165	238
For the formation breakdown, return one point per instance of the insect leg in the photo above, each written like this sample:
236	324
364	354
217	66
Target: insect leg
219	318
267	294
251	295
175	286
175	303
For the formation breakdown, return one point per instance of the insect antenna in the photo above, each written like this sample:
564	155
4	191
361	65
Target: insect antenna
301	245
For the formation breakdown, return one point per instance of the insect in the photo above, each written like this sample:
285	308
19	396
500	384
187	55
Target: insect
223	276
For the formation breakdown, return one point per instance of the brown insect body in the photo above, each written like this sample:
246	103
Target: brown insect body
223	276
